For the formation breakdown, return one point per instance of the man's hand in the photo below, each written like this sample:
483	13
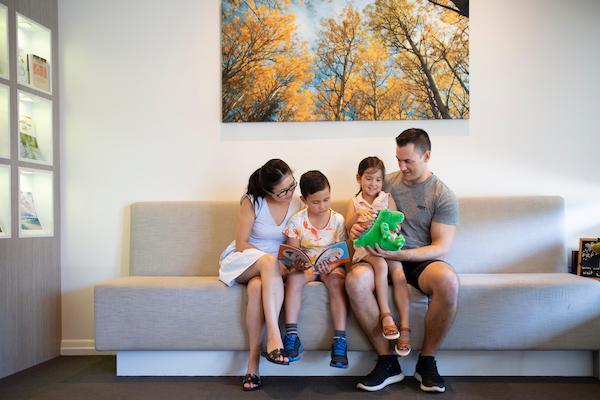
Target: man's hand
379	252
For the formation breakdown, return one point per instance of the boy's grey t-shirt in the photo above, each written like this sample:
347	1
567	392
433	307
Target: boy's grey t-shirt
421	204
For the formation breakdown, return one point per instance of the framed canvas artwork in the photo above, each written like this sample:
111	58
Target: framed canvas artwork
340	60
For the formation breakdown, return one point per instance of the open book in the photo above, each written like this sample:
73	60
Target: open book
335	254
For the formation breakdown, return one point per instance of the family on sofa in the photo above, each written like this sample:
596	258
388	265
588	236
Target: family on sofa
271	214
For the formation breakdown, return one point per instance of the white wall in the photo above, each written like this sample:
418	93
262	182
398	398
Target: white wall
140	119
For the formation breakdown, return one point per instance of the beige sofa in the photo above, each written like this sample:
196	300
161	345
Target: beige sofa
509	252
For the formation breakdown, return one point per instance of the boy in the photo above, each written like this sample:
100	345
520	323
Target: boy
312	229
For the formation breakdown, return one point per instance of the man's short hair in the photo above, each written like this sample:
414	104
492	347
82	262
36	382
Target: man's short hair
416	136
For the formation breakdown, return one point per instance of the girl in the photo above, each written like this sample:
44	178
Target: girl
251	259
369	199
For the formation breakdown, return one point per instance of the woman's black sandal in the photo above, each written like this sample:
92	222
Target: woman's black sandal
251	379
274	355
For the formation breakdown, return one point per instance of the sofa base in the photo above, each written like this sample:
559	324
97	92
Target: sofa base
316	363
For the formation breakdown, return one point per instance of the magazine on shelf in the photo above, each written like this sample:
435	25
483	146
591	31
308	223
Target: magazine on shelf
22	67
39	72
29	145
335	254
29	218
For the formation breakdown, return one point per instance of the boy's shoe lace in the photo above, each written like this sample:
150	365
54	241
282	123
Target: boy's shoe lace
339	350
292	347
426	372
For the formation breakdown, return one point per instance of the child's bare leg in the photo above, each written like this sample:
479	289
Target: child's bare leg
402	300
293	294
380	268
338	305
335	282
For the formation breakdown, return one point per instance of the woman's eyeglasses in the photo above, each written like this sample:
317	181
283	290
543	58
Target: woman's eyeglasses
284	192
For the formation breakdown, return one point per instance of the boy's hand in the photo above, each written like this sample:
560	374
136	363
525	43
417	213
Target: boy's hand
323	267
299	265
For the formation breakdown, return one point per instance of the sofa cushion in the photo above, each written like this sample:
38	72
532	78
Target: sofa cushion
201	313
495	234
510	234
526	312
496	311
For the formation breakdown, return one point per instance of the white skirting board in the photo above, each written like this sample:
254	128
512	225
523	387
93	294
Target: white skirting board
316	363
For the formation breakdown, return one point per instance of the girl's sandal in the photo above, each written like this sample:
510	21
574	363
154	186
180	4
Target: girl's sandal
390	332
402	347
251	379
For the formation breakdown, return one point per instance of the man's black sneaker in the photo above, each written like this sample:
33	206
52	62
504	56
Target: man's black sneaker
427	374
339	353
292	347
386	371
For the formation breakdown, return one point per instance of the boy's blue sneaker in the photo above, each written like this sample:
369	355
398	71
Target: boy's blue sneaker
339	356
292	347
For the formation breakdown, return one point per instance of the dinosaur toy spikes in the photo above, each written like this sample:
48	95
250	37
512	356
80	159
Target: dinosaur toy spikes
381	233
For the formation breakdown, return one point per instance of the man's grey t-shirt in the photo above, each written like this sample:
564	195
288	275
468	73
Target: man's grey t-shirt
421	204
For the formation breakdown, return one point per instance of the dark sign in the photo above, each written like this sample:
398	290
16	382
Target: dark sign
588	264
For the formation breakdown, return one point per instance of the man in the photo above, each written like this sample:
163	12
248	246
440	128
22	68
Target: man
431	211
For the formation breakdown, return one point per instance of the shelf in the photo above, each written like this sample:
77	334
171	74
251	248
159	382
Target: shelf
35	128
4	201
3	41
36	216
34	55
4	122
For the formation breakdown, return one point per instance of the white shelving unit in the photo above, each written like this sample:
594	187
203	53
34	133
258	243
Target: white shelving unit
33	39
4	121
36	208
34	128
3	42
5	201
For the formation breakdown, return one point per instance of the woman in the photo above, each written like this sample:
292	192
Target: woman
252	259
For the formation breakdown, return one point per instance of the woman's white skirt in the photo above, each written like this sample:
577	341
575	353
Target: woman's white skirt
233	263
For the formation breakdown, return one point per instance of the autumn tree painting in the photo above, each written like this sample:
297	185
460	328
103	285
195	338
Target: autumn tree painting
336	60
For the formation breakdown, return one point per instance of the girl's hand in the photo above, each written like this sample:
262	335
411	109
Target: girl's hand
366	213
356	230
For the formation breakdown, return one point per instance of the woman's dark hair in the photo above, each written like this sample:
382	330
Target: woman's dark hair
312	182
263	180
368	163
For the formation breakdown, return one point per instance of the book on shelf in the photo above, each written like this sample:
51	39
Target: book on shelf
335	254
29	145
22	67
29	218
39	72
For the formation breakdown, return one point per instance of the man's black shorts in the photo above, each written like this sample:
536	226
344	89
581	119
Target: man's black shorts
412	271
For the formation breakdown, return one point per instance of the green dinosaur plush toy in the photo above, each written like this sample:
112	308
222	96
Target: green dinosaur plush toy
381	232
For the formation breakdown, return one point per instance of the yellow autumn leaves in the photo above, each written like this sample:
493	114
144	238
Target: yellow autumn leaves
395	59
